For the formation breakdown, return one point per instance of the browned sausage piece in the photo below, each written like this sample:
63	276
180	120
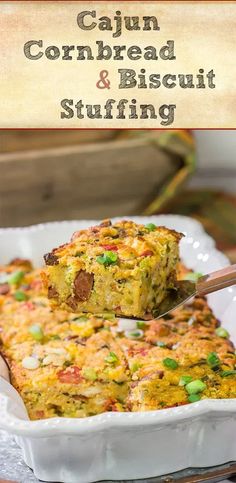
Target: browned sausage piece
51	259
4	288
76	234
72	302
83	285
23	263
52	293
106	222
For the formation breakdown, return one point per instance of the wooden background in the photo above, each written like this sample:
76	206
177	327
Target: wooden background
56	175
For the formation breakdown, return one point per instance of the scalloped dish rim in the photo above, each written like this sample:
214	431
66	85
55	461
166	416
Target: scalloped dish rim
13	416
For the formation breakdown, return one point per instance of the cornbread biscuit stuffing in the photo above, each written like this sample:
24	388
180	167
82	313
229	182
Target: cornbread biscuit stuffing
123	267
78	365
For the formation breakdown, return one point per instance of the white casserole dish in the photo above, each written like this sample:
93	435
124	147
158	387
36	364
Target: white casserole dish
118	446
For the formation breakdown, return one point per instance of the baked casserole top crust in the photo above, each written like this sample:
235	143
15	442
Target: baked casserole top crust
77	365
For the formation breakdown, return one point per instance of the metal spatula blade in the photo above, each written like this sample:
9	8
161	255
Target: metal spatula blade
186	289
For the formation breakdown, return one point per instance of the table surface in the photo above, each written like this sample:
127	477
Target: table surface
12	466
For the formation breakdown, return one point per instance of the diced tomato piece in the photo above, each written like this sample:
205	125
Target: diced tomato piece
176	405
95	229
39	414
110	405
162	330
28	306
135	350
142	352
112	248
71	375
4	289
114	408
36	285
147	253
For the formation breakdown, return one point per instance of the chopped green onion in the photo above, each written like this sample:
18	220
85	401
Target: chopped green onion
141	324
36	331
134	334
170	363
185	380
101	259
20	296
193	276
213	360
82	318
108	258
192	320
104	328
90	374
221	332
159	343
135	367
194	398
30	363
55	337
194	387
111	255
108	316
228	373
16	277
150	226
111	358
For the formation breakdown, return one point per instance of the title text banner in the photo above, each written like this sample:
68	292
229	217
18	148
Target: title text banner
117	64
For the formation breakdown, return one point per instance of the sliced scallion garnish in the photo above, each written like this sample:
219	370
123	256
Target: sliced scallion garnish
185	380
20	296
170	363
36	332
111	358
221	332
194	387
16	277
107	258
194	398
150	226
213	360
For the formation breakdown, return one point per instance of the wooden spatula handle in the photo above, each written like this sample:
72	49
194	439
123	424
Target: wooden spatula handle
216	280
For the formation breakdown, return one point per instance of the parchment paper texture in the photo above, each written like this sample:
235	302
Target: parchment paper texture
204	37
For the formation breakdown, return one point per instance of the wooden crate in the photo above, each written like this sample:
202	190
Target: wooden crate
18	140
120	176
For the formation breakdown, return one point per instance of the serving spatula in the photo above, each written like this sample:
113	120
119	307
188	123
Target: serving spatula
186	289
